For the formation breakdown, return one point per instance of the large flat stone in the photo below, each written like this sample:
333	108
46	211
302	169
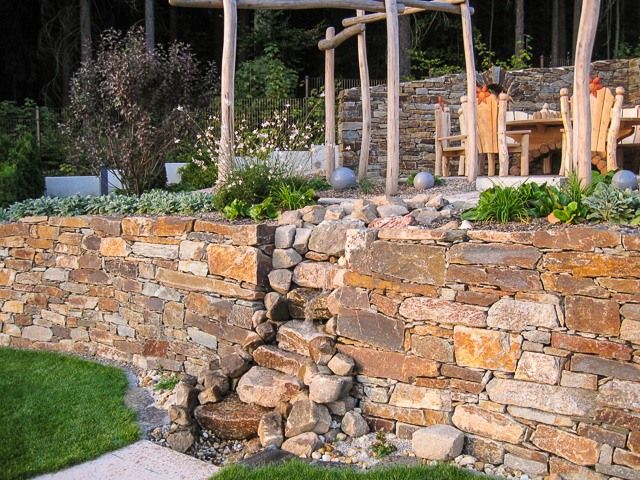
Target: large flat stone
267	388
497	426
572	471
410	416
188	282
505	278
592	315
494	254
620	394
437	442
372	328
317	275
516	315
605	367
579	450
295	337
605	348
417	263
487	349
411	396
242	263
330	236
442	311
584	239
230	419
592	264
270	356
537	367
548	398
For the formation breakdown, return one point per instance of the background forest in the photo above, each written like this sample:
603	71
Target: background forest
44	41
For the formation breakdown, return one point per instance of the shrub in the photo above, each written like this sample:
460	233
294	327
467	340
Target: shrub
123	107
501	205
610	204
288	197
22	175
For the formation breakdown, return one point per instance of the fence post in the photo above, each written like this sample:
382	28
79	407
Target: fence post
541	61
104	181
306	86
38	129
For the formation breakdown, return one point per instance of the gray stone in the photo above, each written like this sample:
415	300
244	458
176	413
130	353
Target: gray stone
372	328
37	333
313	214
335	212
330	236
426	217
270	430
392	210
285	258
322	350
354	424
216	379
516	315
284	236
202	338
325	388
233	365
210	395
291	217
342	178
280	280
342	405
303	418
181	440
277	307
303	445
324	420
526	465
301	240
266	331
367	213
342	364
438	442
179	415
266	387
620	394
186	396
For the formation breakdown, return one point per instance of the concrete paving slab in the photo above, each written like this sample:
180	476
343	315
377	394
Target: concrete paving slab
143	460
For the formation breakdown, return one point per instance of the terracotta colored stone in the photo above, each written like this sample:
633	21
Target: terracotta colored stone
208	306
581	451
114	247
623	285
548	398
411	396
212	227
139	226
75	222
488	349
508	279
631	243
7	277
372	328
568	284
633	443
433	348
40	243
172	226
109	227
494	254
537	367
89	276
230	419
389	364
516	315
441	311
592	264
267	387
14	230
476	420
370	283
601	435
462	373
393	222
270	356
201	284
242	263
407	415
583	239
416	263
591	315
576	343
477	298
318	275
569	470
627	459
423	234
501	237
253	234
620	394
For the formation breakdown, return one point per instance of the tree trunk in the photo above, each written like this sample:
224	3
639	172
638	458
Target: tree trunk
577	8
149	24
562	29
85	31
404	33
519	37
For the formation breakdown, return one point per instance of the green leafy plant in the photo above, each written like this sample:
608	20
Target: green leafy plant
437	180
501	205
167	383
263	211
365	185
610	204
381	447
235	209
288	197
318	184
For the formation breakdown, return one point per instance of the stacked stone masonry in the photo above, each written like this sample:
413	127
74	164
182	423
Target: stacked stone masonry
528	89
526	341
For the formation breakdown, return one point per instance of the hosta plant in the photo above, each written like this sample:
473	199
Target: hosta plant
610	204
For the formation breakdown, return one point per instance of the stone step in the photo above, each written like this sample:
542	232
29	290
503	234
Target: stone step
267	387
230	419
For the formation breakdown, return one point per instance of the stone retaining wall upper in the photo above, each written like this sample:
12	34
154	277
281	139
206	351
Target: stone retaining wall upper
526	341
531	89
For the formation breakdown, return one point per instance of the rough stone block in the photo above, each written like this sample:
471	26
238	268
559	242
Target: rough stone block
579	450
242	263
267	387
496	426
270	356
605	348
354	424
280	280
433	348
605	367
270	430
329	388
494	254
303	445
441	311
516	315
330	236
438	442
412	396
342	364
373	329
537	367
487	349
592	315
620	394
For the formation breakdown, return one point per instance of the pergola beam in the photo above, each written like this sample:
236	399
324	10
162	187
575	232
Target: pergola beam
374	17
369	5
341	37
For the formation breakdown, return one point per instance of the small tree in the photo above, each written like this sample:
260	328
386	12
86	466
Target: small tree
123	107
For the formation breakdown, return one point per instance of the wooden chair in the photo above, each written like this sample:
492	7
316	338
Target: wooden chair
606	111
443	141
632	141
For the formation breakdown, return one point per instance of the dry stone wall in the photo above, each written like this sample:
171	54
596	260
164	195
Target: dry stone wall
530	90
526	341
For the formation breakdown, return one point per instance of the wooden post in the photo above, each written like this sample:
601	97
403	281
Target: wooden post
366	103
472	116
329	106
567	165
225	159
503	149
581	105
393	98
614	128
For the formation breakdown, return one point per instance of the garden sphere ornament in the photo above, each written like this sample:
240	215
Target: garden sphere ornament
625	179
423	180
343	178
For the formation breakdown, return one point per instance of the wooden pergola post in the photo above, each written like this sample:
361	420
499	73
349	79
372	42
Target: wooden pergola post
225	158
329	106
581	102
472	116
393	98
366	103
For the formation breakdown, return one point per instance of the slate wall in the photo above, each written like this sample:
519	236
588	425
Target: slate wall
531	89
526	341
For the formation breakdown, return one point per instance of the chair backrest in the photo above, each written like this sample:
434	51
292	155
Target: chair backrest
517	115
634	138
546	112
443	121
487	111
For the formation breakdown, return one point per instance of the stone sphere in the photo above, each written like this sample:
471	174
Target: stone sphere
423	180
625	179
342	178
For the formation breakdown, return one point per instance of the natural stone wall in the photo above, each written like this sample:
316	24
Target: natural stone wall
531	89
526	341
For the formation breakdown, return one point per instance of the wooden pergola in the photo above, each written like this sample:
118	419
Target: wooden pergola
368	11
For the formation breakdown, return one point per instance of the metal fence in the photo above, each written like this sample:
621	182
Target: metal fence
562	61
317	83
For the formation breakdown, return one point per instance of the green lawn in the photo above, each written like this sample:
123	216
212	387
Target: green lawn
57	411
297	470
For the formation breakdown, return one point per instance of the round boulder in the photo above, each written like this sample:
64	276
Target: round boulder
625	179
342	178
423	180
